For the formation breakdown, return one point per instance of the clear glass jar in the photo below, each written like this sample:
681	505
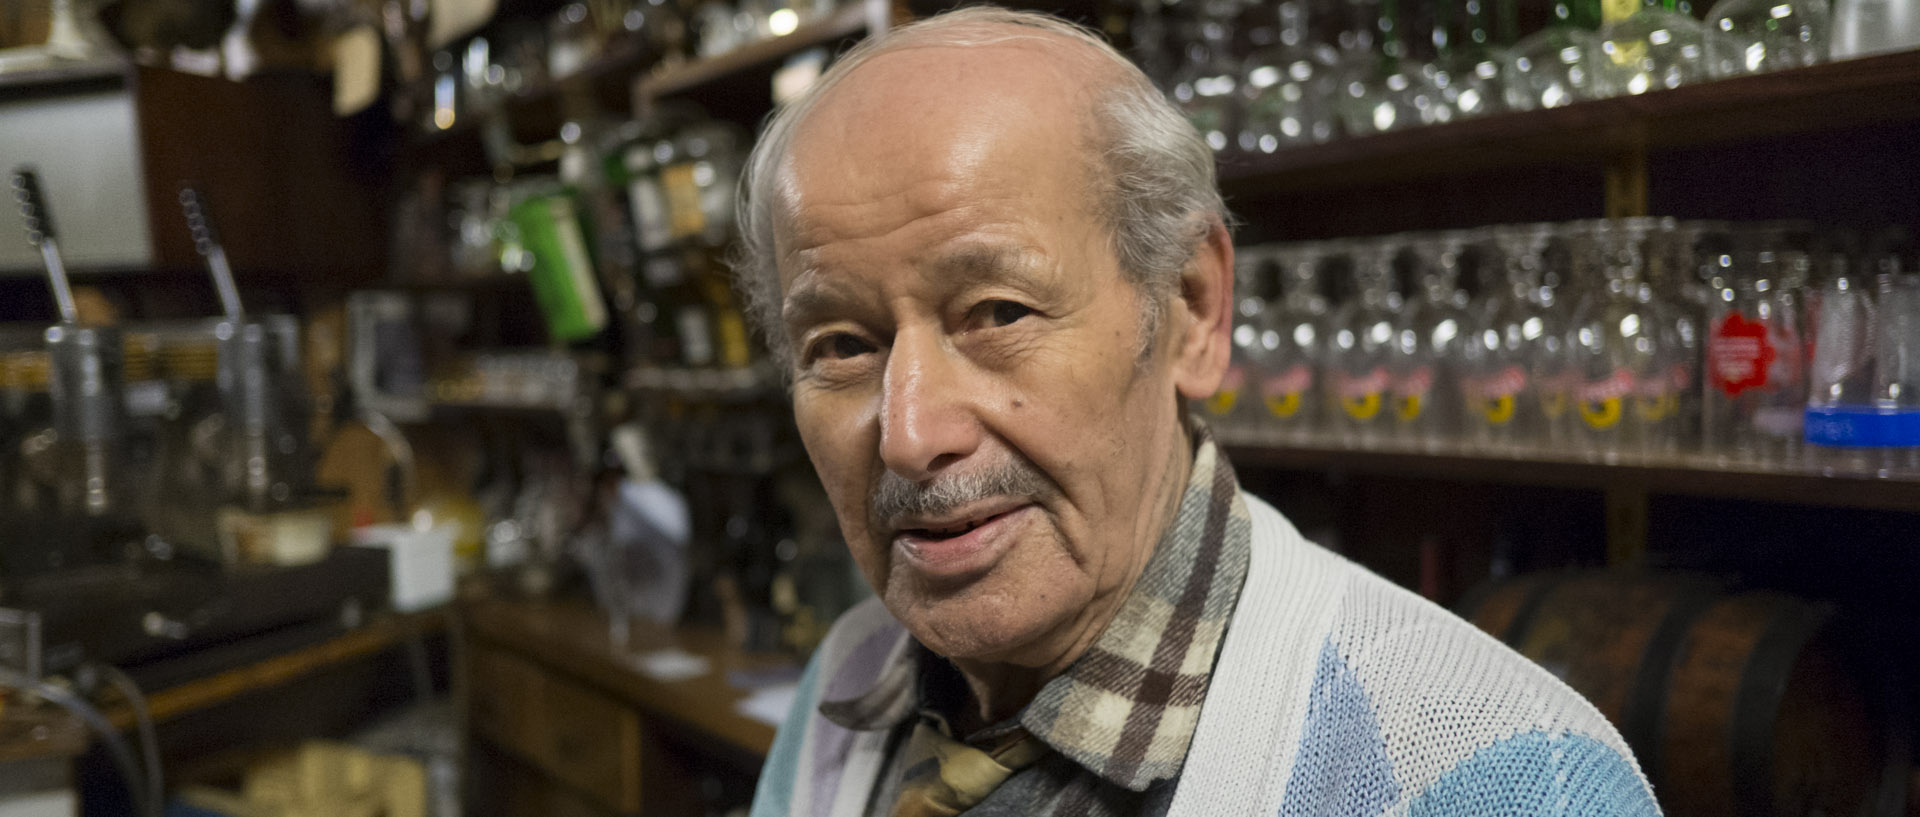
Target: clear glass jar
1500	409
1553	67
1623	398
1768	35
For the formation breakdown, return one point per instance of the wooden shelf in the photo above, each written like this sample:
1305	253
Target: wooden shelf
849	21
1864	91
384	632
721	385
1686	475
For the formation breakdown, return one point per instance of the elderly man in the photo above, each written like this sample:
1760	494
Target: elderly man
996	263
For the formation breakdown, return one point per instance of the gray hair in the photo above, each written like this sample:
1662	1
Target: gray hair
1158	196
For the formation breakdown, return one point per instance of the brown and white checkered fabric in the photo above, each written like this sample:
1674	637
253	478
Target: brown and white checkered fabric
1127	709
1121	718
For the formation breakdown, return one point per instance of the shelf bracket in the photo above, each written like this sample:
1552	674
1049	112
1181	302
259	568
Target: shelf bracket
1626	183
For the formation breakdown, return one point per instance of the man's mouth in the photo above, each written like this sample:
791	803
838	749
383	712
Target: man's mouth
962	546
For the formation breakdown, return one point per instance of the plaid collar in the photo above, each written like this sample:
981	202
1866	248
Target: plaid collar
1126	710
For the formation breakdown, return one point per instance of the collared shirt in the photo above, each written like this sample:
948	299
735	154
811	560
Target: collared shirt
1120	719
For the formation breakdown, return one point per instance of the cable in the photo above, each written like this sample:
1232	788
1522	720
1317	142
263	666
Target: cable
149	737
117	748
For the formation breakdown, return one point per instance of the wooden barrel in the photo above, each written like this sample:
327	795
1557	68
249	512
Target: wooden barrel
1735	703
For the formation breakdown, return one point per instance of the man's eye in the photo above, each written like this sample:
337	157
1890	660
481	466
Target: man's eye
1002	313
840	346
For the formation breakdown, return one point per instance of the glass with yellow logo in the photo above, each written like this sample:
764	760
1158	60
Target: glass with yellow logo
1359	380
1623	396
1500	410
1294	335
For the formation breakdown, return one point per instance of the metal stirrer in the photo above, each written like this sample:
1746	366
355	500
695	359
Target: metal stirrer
33	208
207	243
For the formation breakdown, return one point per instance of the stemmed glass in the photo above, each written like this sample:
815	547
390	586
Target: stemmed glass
1374	94
1768	35
1656	48
1554	66
1204	86
1288	86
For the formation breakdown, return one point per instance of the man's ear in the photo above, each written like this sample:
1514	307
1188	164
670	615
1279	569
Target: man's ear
1206	299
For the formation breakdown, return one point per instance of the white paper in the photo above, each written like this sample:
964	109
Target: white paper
671	664
769	705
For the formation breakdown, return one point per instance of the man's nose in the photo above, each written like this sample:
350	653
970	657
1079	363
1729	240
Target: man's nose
926	422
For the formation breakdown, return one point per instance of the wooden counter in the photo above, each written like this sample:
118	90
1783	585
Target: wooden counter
562	722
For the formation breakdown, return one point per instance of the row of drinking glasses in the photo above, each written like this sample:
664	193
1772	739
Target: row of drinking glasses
1635	339
1262	76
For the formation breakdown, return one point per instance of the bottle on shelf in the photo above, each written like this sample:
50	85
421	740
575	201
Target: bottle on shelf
1863	408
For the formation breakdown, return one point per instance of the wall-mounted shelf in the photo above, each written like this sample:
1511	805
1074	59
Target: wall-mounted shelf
1681	474
1863	91
850	20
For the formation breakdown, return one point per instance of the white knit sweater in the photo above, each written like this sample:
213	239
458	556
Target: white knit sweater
1336	693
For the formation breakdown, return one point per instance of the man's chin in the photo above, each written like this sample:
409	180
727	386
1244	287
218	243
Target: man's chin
991	629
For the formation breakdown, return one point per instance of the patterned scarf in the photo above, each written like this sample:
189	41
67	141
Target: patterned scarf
1125	712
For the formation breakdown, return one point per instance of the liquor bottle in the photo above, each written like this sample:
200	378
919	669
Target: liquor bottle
552	228
681	307
732	344
1359	380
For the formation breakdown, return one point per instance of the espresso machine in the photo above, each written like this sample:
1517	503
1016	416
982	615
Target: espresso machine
159	512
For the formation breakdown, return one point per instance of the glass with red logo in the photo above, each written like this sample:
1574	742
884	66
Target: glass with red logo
1756	352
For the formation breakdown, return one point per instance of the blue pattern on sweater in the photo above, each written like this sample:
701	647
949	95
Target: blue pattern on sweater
1342	766
1536	773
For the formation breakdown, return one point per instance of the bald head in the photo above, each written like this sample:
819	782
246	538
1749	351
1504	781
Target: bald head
977	80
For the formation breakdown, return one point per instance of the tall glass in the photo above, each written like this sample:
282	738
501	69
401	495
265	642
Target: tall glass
1357	360
1622	399
1295	335
1500	409
1426	352
1755	362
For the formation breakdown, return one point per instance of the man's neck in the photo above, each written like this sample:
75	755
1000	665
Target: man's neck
999	690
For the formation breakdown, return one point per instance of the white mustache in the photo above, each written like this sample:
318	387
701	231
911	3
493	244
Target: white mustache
896	497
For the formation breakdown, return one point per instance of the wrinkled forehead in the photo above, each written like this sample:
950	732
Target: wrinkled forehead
916	128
